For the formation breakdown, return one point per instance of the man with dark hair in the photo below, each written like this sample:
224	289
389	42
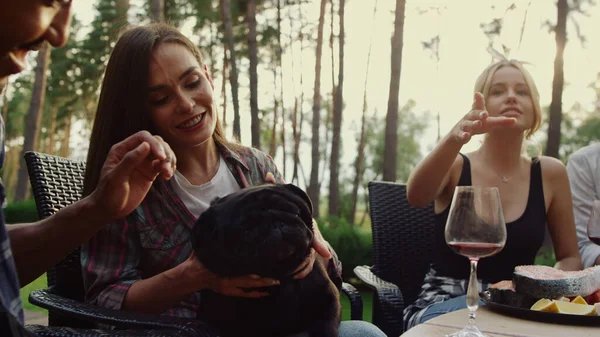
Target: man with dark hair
28	250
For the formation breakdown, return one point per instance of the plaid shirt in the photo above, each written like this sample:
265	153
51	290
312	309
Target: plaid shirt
436	289
10	300
156	237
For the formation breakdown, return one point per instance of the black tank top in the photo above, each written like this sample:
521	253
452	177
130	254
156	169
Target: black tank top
524	236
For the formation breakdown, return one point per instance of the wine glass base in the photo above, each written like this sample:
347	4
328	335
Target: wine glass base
469	331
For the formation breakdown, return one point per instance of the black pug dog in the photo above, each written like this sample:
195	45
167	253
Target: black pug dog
265	230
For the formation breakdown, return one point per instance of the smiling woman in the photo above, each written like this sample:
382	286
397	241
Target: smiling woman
156	80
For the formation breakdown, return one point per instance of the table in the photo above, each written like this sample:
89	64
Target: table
494	324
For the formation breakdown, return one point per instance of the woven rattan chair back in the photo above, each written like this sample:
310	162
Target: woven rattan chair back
402	238
56	183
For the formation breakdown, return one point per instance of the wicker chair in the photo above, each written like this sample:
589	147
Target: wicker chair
402	244
58	182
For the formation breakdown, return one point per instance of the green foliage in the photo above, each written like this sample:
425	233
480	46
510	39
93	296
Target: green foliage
574	138
352	245
410	129
40	283
20	212
95	50
545	257
18	106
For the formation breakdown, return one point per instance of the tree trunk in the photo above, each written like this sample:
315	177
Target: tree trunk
11	171
338	103
313	188
4	103
299	113
273	141
211	49
391	121
233	76
65	149
329	116
122	9
252	51
33	119
224	87
560	36
361	143
52	129
283	144
166	6
294	136
157	9
277	103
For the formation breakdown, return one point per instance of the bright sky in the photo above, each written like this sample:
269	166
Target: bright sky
462	57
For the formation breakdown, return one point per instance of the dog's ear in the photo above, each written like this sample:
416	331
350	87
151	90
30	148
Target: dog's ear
300	193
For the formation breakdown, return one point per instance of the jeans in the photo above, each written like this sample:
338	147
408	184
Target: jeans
354	329
445	307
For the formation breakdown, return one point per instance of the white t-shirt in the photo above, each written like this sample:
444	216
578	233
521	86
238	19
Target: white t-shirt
197	198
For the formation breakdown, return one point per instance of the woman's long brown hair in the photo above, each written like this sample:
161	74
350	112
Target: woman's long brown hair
123	106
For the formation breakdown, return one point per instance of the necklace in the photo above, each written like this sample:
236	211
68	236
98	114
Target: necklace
502	177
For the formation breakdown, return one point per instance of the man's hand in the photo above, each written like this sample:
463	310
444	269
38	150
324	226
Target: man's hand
128	173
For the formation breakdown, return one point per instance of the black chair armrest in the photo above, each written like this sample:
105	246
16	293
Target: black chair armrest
356	304
123	319
388	302
53	331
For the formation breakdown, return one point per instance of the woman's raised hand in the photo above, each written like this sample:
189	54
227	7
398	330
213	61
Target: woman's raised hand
477	121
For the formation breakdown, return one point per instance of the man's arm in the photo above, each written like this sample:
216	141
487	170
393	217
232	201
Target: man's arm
127	175
38	246
583	190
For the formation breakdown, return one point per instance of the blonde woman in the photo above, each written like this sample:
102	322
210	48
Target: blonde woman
535	192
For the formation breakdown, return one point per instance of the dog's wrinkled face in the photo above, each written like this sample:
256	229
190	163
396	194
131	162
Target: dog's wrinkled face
264	230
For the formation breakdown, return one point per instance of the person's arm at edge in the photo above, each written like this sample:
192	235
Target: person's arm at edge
559	215
432	174
38	246
129	170
583	193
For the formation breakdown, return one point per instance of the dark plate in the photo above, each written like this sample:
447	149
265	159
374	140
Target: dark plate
541	316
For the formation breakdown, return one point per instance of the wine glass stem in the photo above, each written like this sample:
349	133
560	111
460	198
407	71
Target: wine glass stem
473	292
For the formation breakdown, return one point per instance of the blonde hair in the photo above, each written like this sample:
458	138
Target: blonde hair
484	82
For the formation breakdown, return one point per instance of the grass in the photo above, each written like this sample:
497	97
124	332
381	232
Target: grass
367	298
545	257
39	283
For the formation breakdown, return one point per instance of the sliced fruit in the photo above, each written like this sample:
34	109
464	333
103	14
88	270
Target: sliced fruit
575	308
543	305
552	307
579	300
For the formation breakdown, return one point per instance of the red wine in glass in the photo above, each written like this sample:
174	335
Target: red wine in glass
475	250
475	228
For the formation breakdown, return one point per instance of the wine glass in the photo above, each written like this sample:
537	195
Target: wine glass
475	228
593	226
